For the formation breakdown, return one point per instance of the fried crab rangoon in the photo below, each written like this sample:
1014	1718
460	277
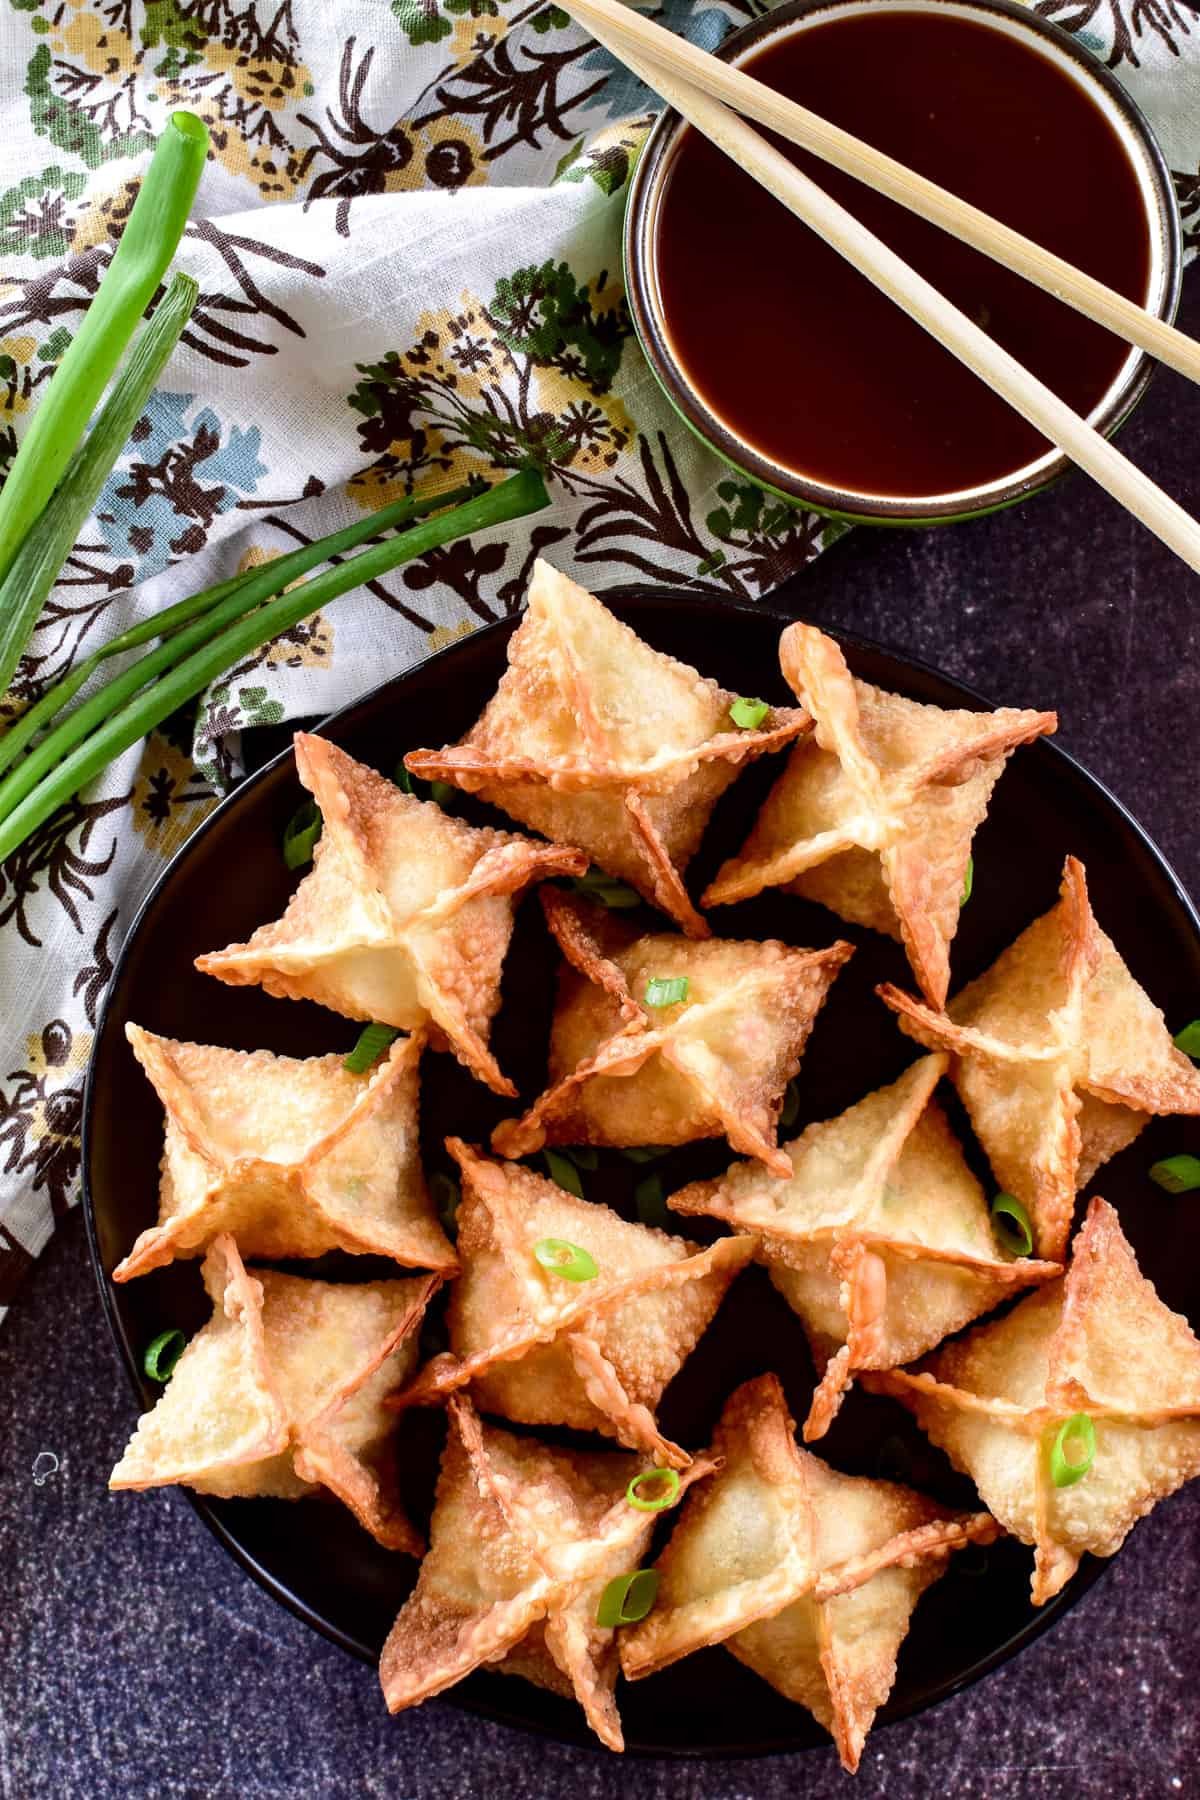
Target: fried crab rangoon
1096	1353
596	1353
595	739
523	1542
405	917
1060	1058
809	1577
282	1393
880	1238
630	1065
874	814
293	1157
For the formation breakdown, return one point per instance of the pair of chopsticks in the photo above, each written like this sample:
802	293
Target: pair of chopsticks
705	90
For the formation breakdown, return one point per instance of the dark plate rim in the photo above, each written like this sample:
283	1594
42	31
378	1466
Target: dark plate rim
1091	1569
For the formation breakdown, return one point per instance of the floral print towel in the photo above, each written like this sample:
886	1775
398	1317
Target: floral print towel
407	242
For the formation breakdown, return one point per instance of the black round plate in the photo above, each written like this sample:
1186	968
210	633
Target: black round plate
230	877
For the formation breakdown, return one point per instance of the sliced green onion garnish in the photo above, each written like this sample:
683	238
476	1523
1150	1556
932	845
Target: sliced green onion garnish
606	890
789	1112
373	1040
627	1598
644	1153
666	1486
650	1198
163	1354
442	793
565	1259
666	990
300	835
1188	1040
1177	1174
1010	1222
446	1194
560	1168
748	715
968	881
1078	1432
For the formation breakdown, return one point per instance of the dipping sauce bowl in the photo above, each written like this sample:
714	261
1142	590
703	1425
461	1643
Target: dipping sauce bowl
802	375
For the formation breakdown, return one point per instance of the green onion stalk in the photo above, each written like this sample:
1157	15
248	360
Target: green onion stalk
35	567
373	1040
184	627
562	1170
564	1258
64	762
148	242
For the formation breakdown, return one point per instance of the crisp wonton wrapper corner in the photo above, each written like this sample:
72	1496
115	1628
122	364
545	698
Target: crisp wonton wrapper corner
1059	1056
624	1071
524	1539
874	814
405	916
1098	1343
808	1576
880	1238
282	1393
540	1349
294	1157
594	738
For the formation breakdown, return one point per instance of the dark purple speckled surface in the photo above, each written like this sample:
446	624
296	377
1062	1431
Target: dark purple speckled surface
137	1661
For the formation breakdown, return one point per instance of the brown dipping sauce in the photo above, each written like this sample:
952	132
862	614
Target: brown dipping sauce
810	364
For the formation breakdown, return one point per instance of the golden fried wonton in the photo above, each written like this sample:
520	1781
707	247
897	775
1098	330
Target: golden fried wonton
405	917
874	813
1060	1058
1099	1342
544	1350
292	1157
880	1238
715	1064
595	739
809	1577
523	1542
282	1393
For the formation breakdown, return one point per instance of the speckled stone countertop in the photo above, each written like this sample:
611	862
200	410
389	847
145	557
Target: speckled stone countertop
136	1660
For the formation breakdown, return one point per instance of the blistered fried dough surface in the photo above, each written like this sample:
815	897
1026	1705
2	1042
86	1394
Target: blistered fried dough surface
294	1157
594	739
524	1539
535	1347
879	1238
1099	1342
809	1577
282	1392
715	1064
1060	1058
874	813
405	917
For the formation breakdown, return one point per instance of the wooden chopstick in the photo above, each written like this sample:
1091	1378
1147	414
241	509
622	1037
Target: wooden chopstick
625	29
918	297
